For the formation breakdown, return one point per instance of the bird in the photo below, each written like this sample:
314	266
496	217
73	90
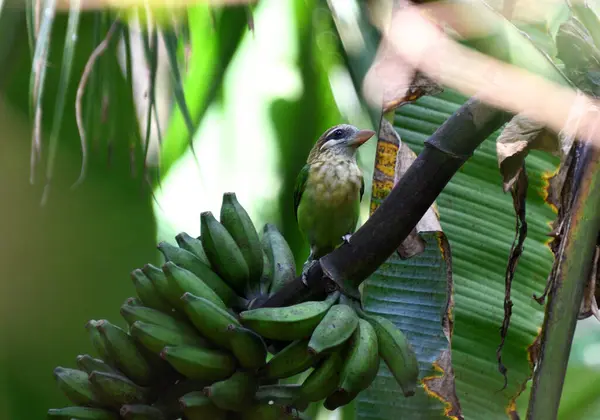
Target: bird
329	189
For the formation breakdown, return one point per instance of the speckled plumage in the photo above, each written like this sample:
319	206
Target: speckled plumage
329	191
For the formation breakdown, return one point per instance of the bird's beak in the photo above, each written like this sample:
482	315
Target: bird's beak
361	137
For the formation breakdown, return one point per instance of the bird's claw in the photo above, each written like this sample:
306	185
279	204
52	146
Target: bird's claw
307	266
346	237
304	278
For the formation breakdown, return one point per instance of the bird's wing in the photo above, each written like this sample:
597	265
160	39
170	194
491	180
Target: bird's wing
362	187
300	186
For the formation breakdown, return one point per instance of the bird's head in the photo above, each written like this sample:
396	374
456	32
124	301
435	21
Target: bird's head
342	140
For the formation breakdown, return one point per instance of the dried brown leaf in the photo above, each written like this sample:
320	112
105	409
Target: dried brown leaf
520	136
413	244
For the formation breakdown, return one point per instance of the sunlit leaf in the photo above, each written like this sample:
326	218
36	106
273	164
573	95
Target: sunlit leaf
63	84
210	56
479	221
37	80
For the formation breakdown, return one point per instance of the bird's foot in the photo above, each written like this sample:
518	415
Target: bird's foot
346	237
306	268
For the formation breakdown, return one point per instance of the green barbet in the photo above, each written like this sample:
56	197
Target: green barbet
329	189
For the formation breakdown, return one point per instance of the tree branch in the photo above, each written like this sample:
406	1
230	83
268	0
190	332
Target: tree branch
444	153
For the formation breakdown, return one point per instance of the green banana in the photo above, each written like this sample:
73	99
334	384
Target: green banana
235	393
133	301
158	280
337	326
279	394
248	347
88	364
209	319
193	245
98	341
267	276
156	337
223	253
362	361
124	352
323	380
190	262
198	406
288	323
81	413
283	264
199	363
266	411
75	385
118	389
141	412
239	225
338	399
147	292
182	280
152	316
293	359
396	352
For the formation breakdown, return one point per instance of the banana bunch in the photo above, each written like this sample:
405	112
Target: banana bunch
194	346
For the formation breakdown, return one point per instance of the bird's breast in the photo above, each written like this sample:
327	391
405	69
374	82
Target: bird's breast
334	182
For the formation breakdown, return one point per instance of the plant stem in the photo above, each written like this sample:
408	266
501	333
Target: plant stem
573	267
444	153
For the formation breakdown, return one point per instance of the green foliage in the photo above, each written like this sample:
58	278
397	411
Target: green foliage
68	261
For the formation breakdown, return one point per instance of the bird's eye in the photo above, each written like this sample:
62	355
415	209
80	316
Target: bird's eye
337	134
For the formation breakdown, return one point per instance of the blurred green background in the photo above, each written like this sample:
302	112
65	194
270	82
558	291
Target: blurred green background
69	261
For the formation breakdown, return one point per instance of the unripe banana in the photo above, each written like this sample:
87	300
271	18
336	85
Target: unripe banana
235	393
76	386
209	319
190	262
89	364
337	326
223	253
199	363
279	394
152	316
362	361
239	225
248	347
267	276
397	353
280	255
148	294
141	412
98	341
118	389
161	284
198	406
323	380
293	359
288	323
155	337
81	413
338	399
193	245
123	350
133	301
266	411
182	280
